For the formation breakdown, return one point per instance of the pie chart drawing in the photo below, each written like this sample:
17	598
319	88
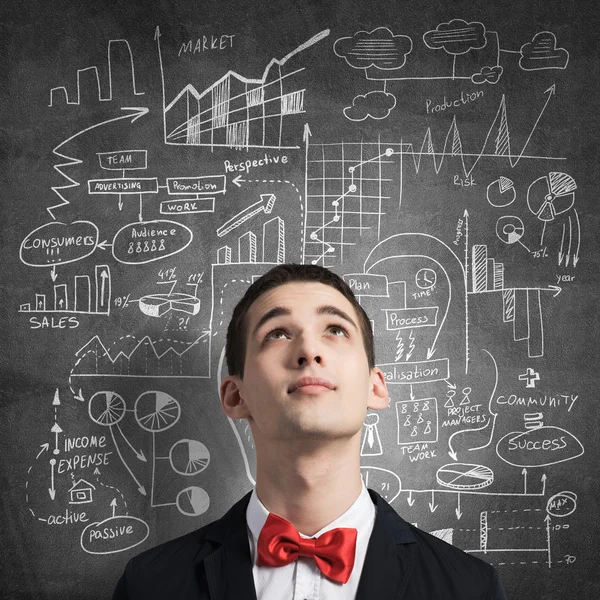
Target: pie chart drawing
189	457
501	192
510	229
106	408
462	476
157	305
192	501
156	411
550	196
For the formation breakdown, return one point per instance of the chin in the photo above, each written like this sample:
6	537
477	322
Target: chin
320	431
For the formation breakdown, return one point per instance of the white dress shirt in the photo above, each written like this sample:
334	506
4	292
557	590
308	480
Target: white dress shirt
302	579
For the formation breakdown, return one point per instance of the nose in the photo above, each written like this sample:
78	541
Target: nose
308	352
306	360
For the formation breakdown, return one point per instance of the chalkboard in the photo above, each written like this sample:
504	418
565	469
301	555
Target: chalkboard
158	157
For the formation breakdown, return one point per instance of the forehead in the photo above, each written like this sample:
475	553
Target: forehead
299	296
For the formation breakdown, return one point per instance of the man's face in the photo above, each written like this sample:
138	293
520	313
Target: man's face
294	333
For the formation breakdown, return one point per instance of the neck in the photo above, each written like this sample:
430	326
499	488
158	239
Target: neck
310	485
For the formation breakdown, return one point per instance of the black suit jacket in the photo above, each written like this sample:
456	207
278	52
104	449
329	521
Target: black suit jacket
214	562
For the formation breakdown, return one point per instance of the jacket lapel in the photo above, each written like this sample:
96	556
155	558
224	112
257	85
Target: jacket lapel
389	560
229	567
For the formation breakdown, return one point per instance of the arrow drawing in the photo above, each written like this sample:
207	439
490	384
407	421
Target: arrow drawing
547	520
103	276
141	488
265	204
432	505
56	430
457	509
451	450
135	112
44	448
52	489
140	455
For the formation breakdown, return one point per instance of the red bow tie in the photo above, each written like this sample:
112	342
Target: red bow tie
280	544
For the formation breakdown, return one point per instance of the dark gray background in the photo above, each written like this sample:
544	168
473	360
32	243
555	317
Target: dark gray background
44	44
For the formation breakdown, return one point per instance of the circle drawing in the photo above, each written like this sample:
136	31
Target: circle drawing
192	501
550	196
156	411
461	476
510	229
106	408
189	457
501	192
425	278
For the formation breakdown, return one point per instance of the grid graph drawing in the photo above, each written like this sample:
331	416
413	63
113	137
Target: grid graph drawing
349	187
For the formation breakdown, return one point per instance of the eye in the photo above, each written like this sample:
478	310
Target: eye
274	334
338	329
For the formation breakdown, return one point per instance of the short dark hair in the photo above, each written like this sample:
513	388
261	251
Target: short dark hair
237	331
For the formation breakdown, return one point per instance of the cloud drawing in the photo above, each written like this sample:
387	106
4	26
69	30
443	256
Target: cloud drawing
542	53
379	48
456	36
376	105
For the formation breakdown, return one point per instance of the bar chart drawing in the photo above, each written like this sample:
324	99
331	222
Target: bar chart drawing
520	306
87	295
237	111
273	246
121	79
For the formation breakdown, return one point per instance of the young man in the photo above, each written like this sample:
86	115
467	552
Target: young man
301	363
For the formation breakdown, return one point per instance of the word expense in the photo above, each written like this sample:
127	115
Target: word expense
206	43
83	461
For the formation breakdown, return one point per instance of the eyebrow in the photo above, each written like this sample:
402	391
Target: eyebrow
325	309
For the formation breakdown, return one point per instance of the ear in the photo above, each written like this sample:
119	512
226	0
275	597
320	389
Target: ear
231	399
378	394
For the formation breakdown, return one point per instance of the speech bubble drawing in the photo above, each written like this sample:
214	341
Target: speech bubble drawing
562	504
539	447
58	243
115	534
146	241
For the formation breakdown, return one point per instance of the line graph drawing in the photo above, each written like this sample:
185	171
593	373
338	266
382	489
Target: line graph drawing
132	357
236	111
120	65
349	186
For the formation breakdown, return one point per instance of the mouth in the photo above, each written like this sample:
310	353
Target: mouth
311	385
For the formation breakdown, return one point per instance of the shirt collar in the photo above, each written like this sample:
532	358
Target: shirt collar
356	516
